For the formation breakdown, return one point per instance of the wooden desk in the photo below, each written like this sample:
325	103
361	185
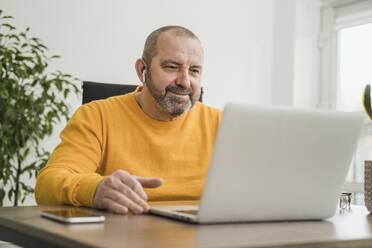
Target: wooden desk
24	226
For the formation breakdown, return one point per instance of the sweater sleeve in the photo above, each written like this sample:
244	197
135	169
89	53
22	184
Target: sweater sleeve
70	176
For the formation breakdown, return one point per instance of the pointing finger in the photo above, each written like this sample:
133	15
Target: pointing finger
149	182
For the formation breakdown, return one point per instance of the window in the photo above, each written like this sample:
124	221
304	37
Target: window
354	66
346	66
353	73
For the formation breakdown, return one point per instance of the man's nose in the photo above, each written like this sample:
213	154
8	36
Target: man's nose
183	79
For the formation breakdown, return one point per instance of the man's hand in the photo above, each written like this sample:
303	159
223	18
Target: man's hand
121	192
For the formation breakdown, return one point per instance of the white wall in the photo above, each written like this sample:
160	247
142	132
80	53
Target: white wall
283	52
295	56
306	87
100	41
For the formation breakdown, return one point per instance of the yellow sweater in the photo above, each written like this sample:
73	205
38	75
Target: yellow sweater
108	135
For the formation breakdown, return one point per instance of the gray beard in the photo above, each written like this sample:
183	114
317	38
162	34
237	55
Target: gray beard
172	105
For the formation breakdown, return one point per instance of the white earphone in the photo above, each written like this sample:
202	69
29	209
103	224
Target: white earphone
144	75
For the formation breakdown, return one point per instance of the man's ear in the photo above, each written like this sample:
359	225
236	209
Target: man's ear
141	69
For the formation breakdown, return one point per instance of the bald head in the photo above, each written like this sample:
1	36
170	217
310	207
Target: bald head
150	49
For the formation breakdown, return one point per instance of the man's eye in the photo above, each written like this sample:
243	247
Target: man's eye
171	67
195	71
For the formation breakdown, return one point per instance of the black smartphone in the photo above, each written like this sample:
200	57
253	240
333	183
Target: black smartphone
73	216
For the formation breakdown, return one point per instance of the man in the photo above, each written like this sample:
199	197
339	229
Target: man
115	153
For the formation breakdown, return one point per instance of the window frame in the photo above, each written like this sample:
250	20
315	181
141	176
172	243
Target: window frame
337	15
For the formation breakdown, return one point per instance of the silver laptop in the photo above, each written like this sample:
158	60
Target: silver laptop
274	163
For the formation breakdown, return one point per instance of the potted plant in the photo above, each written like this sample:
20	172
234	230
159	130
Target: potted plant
32	101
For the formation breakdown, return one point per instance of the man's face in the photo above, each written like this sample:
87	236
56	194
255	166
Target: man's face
175	73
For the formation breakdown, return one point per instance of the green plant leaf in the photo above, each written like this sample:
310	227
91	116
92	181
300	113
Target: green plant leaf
8	26
13	36
66	92
367	100
10	195
27	151
59	85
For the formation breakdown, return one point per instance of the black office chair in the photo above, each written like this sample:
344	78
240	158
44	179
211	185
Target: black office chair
96	91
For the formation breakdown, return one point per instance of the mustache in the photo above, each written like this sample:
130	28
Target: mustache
179	89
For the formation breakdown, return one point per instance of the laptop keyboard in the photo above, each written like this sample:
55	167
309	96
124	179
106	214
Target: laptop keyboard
192	212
